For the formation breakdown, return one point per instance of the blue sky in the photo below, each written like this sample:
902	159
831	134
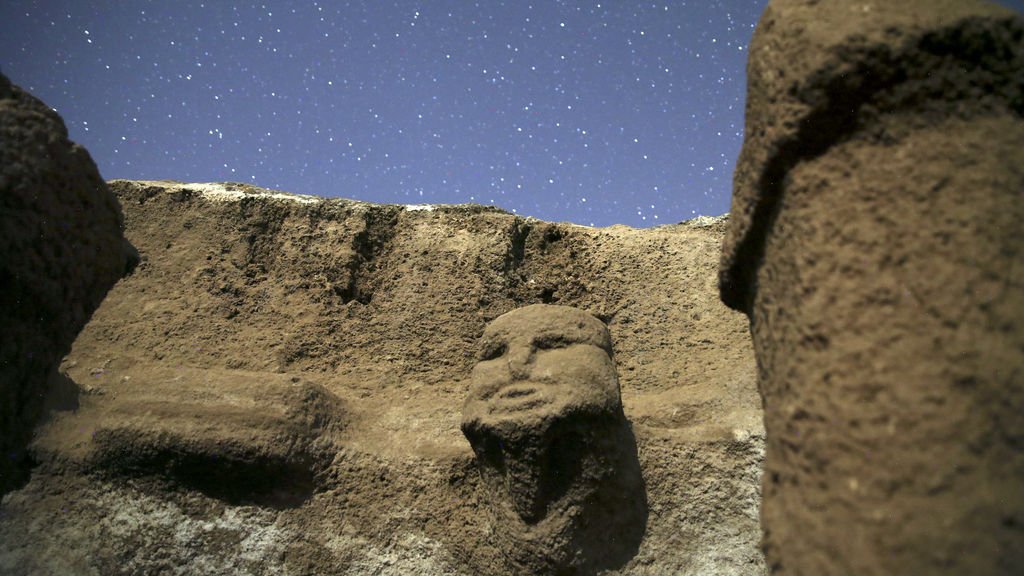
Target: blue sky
591	112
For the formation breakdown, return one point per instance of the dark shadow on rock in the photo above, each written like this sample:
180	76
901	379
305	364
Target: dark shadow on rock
235	475
587	509
616	521
17	467
61	395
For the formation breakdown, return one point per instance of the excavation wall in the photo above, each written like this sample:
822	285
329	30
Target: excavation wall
278	388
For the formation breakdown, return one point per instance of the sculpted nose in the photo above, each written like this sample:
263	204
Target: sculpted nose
519	362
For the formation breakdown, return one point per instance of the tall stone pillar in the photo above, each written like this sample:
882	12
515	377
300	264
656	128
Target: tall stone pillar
877	245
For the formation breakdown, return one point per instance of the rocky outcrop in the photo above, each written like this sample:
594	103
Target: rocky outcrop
61	249
277	389
876	246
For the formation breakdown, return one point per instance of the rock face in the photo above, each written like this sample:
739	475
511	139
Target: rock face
544	417
876	245
61	249
277	389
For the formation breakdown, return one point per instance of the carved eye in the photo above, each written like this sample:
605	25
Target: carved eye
550	342
492	350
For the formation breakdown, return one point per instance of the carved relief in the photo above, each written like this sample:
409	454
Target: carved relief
544	417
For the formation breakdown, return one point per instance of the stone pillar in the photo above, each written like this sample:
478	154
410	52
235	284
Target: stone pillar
877	245
61	249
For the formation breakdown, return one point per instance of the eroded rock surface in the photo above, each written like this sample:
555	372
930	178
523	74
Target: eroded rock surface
326	347
61	249
876	245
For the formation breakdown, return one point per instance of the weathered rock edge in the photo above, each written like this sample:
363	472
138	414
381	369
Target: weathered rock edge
820	73
61	249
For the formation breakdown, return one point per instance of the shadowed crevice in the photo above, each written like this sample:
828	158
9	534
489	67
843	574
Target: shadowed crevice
368	245
232	474
516	254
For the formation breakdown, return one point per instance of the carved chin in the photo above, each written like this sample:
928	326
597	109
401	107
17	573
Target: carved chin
524	482
541	470
534	451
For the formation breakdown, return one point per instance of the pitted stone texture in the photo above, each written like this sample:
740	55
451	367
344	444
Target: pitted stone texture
544	417
61	249
876	247
821	71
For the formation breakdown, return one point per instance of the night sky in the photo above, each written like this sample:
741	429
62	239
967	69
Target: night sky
591	112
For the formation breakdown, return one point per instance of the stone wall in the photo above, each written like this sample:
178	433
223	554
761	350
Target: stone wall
277	388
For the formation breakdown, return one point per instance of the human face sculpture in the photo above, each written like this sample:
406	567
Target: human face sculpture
540	363
542	393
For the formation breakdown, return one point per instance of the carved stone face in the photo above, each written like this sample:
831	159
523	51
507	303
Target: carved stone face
557	456
539	363
544	383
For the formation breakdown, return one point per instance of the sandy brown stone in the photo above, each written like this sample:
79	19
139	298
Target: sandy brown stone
326	347
876	246
61	249
820	72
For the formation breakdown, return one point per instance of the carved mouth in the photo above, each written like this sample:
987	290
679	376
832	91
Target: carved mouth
517	397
